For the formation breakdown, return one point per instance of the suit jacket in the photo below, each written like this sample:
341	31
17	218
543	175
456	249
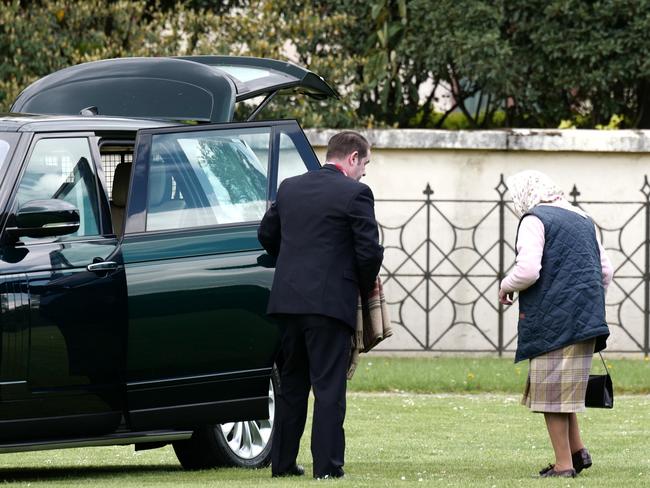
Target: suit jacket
323	231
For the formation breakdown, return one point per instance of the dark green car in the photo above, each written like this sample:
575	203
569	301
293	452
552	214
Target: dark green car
132	285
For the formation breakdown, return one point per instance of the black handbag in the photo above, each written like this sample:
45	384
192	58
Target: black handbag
600	390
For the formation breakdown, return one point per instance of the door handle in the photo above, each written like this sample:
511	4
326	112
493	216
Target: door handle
102	266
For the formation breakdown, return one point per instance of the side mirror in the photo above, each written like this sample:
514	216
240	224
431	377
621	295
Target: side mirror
44	218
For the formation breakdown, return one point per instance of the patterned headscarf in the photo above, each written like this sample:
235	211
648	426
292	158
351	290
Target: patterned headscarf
529	188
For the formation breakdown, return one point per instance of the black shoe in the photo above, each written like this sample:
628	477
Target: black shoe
546	469
295	470
338	473
551	473
581	459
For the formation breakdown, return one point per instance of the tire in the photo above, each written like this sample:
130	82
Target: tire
245	444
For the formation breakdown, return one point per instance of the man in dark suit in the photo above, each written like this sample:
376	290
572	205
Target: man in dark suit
323	231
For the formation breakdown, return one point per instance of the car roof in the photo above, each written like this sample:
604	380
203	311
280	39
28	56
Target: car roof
200	88
15	122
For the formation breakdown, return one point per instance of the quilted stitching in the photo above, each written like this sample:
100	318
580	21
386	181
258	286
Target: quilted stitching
567	303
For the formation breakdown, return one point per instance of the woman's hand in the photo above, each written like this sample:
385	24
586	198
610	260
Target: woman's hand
505	298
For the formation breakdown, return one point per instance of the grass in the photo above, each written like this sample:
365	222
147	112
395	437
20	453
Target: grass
450	440
458	375
400	434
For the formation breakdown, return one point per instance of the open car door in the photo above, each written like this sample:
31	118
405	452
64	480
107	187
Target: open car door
200	345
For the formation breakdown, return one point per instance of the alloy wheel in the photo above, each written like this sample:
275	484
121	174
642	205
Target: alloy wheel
249	438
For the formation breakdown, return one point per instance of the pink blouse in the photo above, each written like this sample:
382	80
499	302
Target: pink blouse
530	246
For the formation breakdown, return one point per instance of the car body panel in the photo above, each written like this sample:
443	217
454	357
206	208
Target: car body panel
256	76
195	320
201	88
14	122
197	310
137	333
74	322
133	87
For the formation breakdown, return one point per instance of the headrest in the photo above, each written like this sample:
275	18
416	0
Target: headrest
121	184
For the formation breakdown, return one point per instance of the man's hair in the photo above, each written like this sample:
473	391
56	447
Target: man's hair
346	142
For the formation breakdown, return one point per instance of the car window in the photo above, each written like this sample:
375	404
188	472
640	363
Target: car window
204	178
4	150
290	163
63	169
7	140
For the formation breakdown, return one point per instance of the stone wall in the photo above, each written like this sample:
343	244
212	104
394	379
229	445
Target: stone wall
443	256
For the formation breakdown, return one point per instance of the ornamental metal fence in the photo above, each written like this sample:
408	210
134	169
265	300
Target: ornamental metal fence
444	260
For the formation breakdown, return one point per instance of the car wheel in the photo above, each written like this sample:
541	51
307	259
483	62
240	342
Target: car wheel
245	444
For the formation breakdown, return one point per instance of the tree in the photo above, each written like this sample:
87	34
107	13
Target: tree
44	37
37	38
541	61
586	60
530	63
460	43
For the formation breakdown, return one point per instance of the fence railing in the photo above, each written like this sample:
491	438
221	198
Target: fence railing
444	260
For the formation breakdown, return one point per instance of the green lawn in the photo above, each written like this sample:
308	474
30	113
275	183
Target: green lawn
449	439
447	374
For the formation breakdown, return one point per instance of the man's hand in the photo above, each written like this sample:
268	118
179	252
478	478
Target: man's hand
505	298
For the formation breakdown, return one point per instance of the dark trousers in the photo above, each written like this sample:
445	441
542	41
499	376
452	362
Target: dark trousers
315	354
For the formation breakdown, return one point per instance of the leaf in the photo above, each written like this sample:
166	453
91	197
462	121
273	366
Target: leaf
381	36
401	5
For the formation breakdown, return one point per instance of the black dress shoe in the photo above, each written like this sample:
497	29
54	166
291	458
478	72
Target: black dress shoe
581	459
295	470
337	473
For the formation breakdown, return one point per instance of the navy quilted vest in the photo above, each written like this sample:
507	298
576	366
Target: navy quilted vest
567	303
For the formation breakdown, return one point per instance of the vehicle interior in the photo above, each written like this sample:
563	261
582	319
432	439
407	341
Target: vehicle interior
186	192
116	158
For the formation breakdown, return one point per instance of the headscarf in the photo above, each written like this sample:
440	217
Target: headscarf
530	188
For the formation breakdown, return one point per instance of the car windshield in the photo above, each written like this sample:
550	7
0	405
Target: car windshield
7	143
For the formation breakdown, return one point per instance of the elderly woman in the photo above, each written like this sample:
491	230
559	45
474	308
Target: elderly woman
561	274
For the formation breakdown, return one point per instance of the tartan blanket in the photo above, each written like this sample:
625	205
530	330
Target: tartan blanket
373	324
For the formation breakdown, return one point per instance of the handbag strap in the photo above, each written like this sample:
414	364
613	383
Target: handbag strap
604	364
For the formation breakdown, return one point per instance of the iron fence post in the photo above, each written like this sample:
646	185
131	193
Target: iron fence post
646	273
501	190
427	274
574	195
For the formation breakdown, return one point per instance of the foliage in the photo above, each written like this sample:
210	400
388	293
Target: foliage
468	55
313	34
40	38
217	7
233	170
456	120
582	121
531	63
615	122
543	61
584	58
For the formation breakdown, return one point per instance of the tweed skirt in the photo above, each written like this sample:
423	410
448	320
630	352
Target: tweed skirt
557	380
